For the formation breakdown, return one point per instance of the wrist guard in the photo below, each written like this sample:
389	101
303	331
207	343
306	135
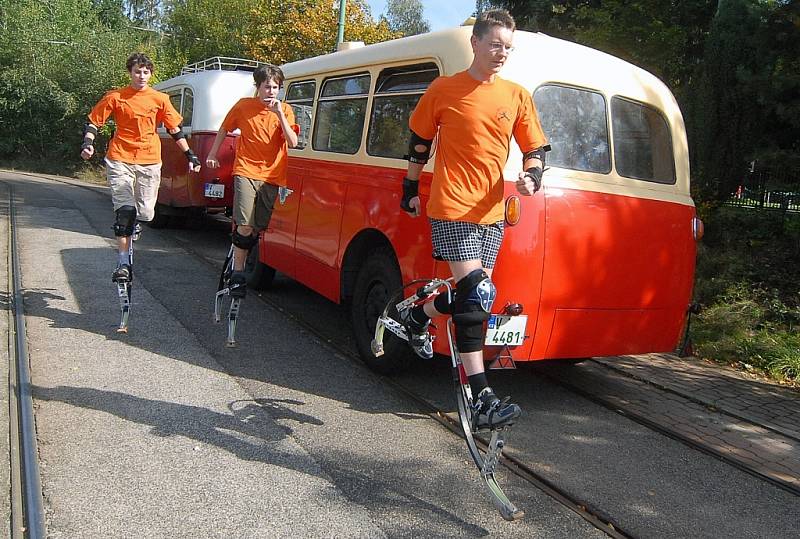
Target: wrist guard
87	143
535	174
192	158
410	190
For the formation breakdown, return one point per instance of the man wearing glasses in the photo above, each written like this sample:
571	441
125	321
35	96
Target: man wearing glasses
474	113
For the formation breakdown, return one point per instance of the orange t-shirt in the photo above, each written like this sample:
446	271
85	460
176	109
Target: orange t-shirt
475	122
136	113
261	151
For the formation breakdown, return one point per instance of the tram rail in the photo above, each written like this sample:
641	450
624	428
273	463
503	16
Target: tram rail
27	505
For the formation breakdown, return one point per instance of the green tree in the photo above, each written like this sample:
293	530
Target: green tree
56	60
276	31
406	17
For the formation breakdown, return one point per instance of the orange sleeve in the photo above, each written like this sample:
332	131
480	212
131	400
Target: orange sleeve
527	129
424	120
102	110
231	119
167	114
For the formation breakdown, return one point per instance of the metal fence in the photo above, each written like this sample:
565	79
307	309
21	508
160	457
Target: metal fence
768	188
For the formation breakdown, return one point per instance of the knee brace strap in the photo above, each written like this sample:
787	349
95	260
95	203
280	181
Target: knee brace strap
443	304
126	218
243	242
475	295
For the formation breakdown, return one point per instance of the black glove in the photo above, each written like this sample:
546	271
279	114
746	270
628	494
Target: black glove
410	190
193	159
535	174
87	143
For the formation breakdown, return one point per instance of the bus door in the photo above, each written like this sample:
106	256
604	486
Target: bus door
338	130
277	249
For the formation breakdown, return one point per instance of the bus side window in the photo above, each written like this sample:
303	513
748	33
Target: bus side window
175	99
300	95
188	107
396	94
576	126
642	142
341	110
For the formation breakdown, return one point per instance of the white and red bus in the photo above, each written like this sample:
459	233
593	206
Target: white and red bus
602	259
203	93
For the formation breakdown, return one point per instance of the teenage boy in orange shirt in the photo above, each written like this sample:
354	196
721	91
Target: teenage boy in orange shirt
266	129
474	113
133	160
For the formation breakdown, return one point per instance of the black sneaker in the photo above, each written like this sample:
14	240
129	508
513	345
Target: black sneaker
418	337
489	412
238	284
122	274
137	231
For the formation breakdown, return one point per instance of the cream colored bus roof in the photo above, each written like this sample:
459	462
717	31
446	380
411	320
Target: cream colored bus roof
214	93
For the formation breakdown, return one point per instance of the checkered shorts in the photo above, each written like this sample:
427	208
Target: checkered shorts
457	241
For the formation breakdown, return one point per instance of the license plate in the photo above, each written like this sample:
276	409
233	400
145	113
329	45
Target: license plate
215	190
505	330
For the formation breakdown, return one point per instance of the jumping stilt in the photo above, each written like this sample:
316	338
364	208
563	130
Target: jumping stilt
226	288
486	463
124	292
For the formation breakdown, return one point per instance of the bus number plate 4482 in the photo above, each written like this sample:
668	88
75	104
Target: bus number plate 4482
215	190
505	330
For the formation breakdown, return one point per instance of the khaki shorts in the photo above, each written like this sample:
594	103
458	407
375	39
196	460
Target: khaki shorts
134	185
253	201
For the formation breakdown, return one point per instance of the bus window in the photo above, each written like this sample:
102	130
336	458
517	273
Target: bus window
300	95
340	114
642	142
188	107
175	99
576	126
396	94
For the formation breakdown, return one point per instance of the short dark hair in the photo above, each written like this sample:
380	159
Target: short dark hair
268	72
488	19
139	59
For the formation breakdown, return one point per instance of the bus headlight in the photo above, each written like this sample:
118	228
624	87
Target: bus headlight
513	210
698	228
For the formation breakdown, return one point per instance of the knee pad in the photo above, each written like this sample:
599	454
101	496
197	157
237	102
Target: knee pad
126	218
243	242
475	295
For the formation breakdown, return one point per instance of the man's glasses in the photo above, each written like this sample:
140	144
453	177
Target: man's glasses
496	46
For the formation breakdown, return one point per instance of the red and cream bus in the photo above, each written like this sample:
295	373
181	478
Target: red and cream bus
203	93
602	259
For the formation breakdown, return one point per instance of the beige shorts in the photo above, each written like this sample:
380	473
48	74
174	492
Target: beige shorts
134	185
253	201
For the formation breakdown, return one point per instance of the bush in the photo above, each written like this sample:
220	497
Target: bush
747	283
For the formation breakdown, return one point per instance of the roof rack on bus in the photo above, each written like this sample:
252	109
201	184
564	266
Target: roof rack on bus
222	63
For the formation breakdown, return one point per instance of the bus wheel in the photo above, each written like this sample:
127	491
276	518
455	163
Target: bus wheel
160	218
259	275
377	280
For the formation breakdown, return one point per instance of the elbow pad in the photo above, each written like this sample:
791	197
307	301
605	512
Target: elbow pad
179	134
415	155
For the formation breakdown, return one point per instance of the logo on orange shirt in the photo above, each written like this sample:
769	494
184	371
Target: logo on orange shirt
504	114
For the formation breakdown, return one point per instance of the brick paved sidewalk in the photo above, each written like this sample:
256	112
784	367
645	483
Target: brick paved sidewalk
751	423
775	407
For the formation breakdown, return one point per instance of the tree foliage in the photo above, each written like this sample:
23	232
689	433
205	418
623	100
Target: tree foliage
56	59
406	17
275	31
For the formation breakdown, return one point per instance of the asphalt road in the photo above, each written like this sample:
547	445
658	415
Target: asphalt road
165	432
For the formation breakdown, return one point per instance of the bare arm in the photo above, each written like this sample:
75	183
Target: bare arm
288	132
211	160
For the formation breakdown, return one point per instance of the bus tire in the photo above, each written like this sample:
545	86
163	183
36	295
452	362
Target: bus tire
259	275
377	279
160	217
